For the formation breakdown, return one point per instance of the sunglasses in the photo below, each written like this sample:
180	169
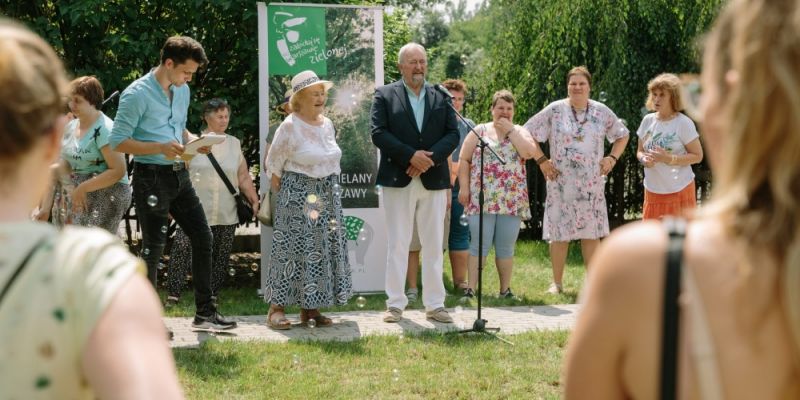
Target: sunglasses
217	103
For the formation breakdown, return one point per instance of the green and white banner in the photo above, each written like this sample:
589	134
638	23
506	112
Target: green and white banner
342	44
298	40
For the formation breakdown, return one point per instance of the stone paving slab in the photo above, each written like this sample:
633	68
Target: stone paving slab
353	325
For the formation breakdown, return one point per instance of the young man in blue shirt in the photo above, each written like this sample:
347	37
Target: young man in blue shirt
151	125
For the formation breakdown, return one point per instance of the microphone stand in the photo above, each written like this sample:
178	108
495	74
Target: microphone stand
479	326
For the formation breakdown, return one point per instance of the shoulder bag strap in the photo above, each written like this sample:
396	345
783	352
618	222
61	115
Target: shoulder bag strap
672	288
221	174
20	267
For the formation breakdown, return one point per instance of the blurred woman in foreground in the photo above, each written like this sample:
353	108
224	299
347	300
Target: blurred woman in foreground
78	319
737	326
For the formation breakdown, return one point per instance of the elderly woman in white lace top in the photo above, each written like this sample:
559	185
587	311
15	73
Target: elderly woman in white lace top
309	264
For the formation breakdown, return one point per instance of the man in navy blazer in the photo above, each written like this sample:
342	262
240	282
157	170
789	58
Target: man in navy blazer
415	131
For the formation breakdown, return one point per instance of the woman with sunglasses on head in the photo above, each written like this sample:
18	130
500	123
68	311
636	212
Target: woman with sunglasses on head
721	319
78	318
94	189
218	203
668	146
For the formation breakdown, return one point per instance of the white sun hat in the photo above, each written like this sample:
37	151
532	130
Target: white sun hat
305	79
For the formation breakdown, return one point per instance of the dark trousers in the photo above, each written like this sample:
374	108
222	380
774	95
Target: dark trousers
162	190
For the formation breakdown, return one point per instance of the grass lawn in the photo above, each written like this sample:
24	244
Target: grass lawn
429	366
531	278
377	367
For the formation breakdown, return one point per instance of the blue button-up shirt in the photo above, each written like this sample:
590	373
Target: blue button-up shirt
146	114
417	104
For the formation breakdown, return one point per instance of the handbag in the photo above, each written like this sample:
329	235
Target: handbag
267	209
243	210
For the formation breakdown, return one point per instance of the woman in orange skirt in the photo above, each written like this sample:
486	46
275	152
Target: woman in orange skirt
668	146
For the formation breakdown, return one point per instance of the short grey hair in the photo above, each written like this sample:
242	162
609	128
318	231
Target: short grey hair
406	48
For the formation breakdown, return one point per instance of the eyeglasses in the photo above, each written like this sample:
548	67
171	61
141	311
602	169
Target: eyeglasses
417	62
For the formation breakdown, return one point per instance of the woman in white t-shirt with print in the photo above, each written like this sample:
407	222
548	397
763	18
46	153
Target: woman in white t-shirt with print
668	146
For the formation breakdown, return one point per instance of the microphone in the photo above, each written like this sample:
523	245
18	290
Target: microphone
443	90
116	92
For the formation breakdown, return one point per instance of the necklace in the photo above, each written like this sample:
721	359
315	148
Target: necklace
579	134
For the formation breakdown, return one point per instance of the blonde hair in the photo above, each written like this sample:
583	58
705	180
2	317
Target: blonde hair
297	99
33	90
669	83
755	47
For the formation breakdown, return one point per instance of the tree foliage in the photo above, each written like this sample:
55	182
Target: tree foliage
625	43
526	46
118	41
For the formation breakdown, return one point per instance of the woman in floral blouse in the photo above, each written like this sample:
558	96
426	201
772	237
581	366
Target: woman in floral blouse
505	189
576	171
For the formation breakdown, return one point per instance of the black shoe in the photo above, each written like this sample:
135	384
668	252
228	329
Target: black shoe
214	321
507	294
467	297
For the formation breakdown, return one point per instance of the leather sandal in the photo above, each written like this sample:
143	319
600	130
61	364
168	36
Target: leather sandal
276	319
321	320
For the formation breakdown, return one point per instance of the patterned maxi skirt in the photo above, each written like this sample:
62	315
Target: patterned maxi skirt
309	265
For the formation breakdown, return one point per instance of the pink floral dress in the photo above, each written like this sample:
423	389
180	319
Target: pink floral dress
576	204
505	186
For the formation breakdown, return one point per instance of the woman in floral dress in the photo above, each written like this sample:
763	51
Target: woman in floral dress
505	189
575	129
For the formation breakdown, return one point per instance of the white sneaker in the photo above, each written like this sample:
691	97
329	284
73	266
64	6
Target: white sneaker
555	288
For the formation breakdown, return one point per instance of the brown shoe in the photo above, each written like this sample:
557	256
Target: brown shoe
321	320
393	314
276	318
